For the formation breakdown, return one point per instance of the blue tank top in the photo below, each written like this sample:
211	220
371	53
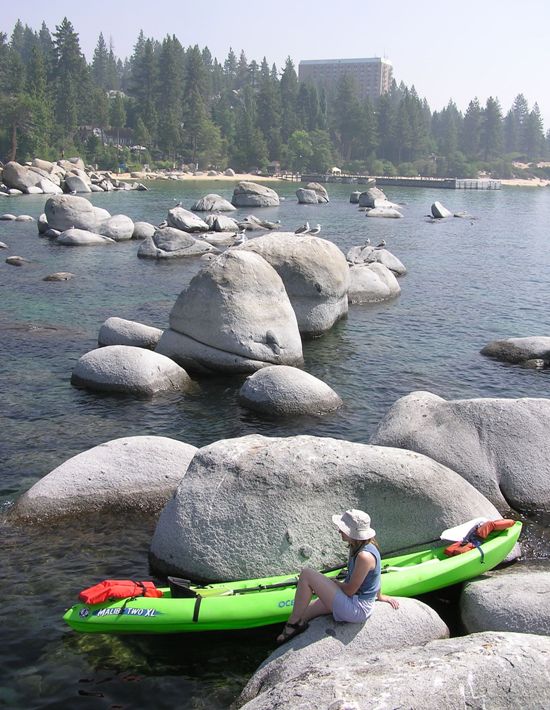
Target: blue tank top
371	584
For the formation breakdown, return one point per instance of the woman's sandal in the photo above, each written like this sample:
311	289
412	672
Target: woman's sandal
291	630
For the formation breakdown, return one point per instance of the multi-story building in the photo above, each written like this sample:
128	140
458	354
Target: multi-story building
372	77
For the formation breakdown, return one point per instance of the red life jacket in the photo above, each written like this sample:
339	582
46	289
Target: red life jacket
476	535
118	589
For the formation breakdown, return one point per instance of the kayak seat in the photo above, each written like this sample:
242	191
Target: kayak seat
180	588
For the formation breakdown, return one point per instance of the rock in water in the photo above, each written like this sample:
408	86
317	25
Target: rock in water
250	194
440	212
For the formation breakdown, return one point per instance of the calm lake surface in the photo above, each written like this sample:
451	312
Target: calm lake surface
468	282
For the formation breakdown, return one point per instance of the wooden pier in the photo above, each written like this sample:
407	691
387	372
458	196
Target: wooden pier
442	183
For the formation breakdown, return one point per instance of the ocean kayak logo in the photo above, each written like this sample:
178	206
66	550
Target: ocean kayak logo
118	611
288	602
83	613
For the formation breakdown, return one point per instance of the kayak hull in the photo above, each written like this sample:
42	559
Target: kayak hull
228	606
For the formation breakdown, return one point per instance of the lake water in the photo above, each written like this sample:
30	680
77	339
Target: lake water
468	282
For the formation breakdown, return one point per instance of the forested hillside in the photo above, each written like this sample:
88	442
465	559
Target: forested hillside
168	105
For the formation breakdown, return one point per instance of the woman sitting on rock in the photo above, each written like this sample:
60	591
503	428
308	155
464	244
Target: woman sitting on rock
351	600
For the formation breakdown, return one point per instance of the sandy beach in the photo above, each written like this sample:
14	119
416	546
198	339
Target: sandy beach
532	182
204	177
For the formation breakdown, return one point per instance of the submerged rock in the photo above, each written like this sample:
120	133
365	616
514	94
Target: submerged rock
81	238
520	350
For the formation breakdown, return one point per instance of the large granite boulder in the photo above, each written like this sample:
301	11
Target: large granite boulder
315	274
501	446
319	190
367	254
118	227
19	177
81	238
130	370
213	203
133	474
45	165
221	223
283	491
185	220
373	197
306	197
142	230
234	316
171	243
439	211
520	350
516	599
49	187
250	194
481	671
372	283
283	391
75	184
66	211
119	331
413	624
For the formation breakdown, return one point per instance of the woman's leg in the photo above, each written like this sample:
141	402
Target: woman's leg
312	582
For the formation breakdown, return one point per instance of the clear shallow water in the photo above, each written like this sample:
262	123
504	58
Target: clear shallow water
469	282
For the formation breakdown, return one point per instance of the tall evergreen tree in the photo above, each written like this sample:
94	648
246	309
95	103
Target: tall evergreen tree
71	78
491	132
289	93
99	63
471	130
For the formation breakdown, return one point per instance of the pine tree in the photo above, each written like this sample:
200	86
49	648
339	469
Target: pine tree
71	100
534	134
99	63
471	130
289	92
491	133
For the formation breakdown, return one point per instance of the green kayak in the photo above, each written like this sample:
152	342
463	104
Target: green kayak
259	602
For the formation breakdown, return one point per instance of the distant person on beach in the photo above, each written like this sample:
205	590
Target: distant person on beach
351	600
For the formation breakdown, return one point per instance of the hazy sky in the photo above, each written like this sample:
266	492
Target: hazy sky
460	50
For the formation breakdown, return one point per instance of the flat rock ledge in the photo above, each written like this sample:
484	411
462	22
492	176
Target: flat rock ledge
487	670
132	474
119	331
413	624
129	370
524	351
501	446
515	599
280	390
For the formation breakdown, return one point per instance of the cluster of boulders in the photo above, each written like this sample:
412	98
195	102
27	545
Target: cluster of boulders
71	176
374	203
312	194
75	221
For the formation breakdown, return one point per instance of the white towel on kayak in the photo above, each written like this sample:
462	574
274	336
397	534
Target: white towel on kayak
460	531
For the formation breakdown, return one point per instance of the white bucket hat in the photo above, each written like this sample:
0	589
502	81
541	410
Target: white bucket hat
355	524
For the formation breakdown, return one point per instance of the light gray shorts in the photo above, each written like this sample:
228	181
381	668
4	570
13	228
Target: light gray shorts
351	609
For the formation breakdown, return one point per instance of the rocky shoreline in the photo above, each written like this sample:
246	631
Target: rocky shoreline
431	464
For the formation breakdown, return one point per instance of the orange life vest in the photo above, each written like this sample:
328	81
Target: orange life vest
118	589
476	535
